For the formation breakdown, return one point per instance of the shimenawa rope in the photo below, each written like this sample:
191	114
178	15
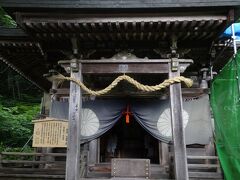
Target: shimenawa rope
132	81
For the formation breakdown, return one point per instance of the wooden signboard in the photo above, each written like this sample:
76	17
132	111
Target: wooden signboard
50	133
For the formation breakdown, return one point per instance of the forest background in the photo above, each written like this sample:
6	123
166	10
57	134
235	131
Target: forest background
19	104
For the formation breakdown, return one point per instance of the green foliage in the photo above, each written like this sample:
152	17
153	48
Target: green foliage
6	20
19	104
27	149
15	122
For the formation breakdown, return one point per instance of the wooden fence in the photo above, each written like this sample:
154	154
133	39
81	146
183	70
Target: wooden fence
32	165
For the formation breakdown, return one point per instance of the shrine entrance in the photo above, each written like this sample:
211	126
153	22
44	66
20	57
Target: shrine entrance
128	140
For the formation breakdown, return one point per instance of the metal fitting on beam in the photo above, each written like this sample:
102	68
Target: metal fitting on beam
174	64
74	65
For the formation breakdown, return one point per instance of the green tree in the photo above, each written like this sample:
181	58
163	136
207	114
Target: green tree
16	121
6	20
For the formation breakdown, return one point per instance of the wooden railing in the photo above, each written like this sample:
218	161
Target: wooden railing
32	165
35	165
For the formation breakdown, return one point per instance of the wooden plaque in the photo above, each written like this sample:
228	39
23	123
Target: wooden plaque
50	133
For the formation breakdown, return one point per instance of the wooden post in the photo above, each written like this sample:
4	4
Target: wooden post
73	143
53	98
93	152
163	153
181	169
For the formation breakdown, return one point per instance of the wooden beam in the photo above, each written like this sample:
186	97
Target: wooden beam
16	33
123	61
73	143
130	66
85	18
104	4
31	176
32	154
186	92
206	175
125	68
181	171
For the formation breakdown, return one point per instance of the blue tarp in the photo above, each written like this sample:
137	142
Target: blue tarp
228	31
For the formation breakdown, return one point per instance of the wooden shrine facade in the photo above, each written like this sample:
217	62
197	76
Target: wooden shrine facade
82	38
172	67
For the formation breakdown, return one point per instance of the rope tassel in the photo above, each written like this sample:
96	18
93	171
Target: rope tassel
132	81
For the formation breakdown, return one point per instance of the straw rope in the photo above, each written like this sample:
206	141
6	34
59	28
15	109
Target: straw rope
132	81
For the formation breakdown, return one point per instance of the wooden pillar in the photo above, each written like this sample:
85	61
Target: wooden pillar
93	152
163	153
53	98
73	144
180	160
